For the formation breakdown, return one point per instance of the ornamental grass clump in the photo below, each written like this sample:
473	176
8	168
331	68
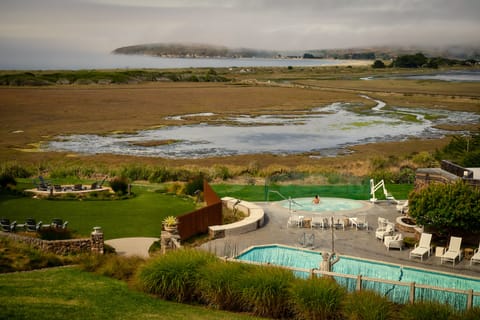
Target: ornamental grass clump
219	284
317	298
428	310
265	291
367	305
174	276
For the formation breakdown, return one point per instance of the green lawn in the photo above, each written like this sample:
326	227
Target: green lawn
139	216
69	293
356	192
143	214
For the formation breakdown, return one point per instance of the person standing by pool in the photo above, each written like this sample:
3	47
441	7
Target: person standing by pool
316	200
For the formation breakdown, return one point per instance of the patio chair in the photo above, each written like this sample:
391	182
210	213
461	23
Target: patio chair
57	188
40	186
382	222
476	256
7	226
403	207
423	247
58	224
395	241
453	252
98	185
338	223
77	187
44	183
295	220
381	233
359	222
31	225
319	222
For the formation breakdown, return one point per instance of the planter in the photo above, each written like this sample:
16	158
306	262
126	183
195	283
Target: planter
170	228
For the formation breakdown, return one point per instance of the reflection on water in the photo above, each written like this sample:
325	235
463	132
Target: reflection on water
324	131
452	76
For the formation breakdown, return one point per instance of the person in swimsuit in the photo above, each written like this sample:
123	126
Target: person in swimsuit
316	200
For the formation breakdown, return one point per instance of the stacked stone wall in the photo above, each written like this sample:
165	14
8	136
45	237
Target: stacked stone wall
60	247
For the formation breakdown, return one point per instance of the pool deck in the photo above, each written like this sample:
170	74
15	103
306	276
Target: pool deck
351	242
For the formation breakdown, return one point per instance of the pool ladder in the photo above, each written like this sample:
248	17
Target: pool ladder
290	200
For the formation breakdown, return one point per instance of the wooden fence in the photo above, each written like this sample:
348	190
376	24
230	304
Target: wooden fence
198	221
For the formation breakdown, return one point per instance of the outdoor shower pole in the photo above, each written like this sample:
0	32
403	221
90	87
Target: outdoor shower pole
333	240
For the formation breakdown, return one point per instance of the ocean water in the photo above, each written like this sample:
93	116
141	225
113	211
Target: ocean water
114	61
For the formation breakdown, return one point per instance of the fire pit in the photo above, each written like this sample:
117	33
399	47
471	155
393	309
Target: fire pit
405	224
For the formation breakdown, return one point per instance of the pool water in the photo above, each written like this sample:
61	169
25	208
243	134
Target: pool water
306	259
325	205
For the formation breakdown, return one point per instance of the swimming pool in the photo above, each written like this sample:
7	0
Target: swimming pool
329	205
307	259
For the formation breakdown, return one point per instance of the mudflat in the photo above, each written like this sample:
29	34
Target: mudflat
30	115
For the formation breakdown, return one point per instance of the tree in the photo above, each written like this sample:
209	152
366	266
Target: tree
446	208
378	64
411	61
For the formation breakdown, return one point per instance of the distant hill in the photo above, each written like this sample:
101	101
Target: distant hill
193	50
184	50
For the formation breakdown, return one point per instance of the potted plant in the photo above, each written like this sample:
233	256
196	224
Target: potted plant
170	223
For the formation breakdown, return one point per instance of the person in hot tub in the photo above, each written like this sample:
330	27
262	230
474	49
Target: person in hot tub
316	200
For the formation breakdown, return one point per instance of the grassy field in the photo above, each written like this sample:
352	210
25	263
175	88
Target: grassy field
68	293
259	193
140	216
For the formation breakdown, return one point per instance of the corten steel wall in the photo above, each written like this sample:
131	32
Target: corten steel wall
198	221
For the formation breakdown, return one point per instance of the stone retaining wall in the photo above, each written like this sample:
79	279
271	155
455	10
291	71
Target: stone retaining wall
59	247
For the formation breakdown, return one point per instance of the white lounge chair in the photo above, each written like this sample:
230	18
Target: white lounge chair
476	256
339	223
395	241
319	222
359	222
382	222
423	247
388	230
453	252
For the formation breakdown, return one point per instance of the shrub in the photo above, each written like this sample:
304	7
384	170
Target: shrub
119	267
176	188
219	284
472	314
174	276
367	305
265	291
54	234
119	185
426	311
7	180
317	298
16	170
194	185
22	257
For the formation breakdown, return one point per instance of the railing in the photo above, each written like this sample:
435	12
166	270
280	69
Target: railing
456	169
290	200
360	281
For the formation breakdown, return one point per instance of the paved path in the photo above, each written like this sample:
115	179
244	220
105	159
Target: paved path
132	246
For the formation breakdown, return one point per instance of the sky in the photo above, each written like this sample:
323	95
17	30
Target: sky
48	29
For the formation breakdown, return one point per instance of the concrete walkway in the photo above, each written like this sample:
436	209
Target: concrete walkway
351	242
132	246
